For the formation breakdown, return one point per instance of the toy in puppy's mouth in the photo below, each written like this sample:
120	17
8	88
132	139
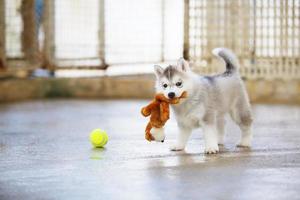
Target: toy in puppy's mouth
159	113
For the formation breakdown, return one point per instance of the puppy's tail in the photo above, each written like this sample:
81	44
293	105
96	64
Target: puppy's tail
231	61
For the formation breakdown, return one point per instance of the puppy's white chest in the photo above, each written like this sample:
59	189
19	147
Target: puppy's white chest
189	115
188	121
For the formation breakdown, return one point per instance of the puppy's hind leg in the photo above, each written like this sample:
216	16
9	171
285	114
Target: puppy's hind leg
241	114
210	139
220	128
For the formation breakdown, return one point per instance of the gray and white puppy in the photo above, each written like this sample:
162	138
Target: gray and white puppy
209	99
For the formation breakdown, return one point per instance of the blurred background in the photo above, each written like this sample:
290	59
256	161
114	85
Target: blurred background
63	41
70	66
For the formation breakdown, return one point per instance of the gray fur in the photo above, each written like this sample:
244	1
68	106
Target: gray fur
229	58
169	72
209	99
230	68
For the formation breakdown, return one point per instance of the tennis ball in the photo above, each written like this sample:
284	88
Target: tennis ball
98	138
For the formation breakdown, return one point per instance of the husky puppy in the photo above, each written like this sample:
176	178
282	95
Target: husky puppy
209	99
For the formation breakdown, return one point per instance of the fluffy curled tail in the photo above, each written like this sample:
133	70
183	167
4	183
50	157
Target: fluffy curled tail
231	61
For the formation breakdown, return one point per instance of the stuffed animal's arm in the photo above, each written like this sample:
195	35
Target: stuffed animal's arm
146	111
148	135
164	111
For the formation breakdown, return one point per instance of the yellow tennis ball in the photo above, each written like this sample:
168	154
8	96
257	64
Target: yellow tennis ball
98	138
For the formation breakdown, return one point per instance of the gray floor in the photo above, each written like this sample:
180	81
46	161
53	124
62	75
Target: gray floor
45	154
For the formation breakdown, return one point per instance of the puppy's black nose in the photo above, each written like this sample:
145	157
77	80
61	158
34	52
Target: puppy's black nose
162	140
171	95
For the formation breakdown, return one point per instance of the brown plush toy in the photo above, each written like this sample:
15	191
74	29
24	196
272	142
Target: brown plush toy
159	111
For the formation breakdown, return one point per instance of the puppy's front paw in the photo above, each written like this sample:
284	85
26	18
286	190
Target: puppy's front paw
176	148
211	149
244	145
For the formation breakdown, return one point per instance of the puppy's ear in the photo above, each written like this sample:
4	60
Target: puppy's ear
158	70
183	65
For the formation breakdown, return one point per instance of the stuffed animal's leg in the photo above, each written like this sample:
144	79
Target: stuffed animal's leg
148	135
164	111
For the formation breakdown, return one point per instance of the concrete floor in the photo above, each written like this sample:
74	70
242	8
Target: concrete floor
45	154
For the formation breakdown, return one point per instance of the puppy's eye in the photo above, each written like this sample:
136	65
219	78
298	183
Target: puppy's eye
165	85
179	84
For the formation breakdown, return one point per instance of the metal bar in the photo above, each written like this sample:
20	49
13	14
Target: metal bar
293	54
29	32
2	35
276	36
275	29
203	33
227	23
262	29
254	31
281	29
286	33
162	53
102	33
49	32
194	33
209	30
186	42
269	35
233	24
